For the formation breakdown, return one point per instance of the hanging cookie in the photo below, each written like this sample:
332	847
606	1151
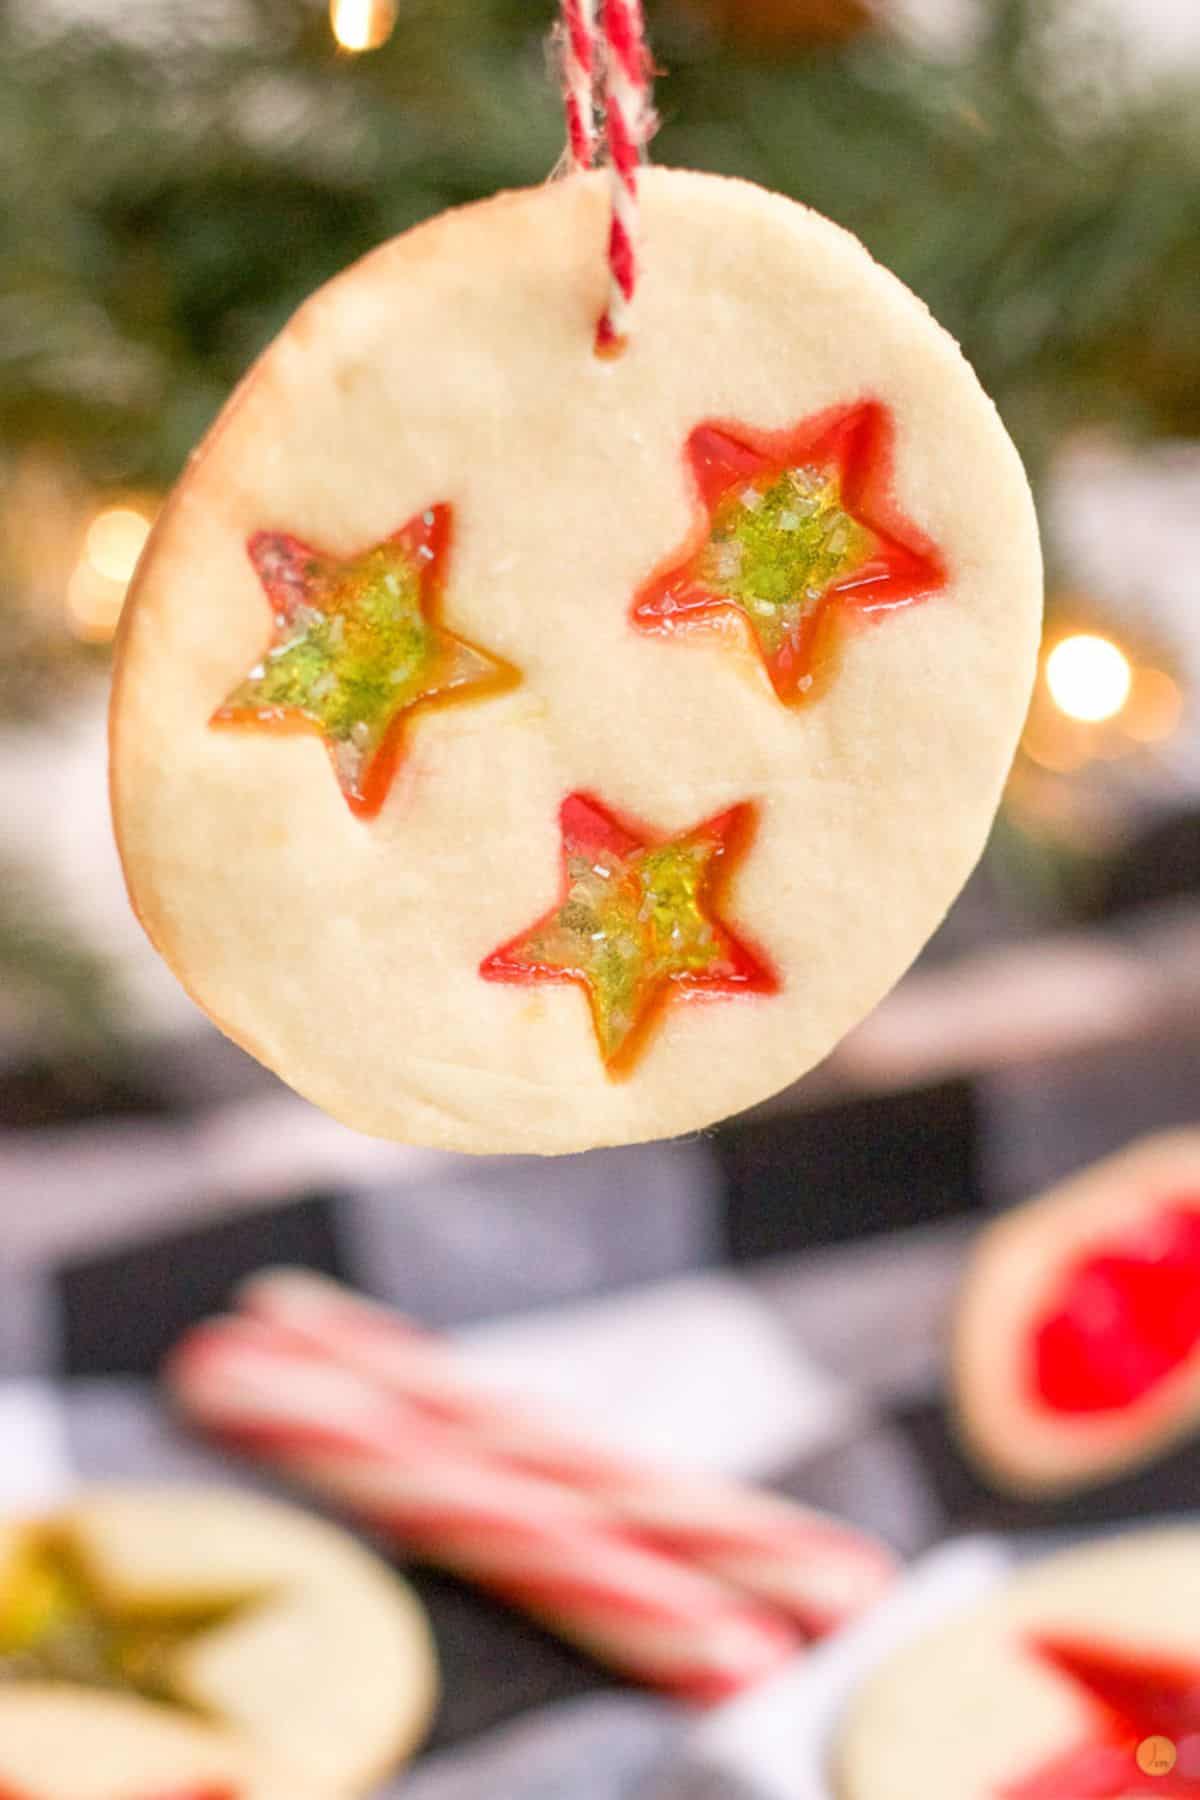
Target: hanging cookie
582	663
1078	1680
1077	1346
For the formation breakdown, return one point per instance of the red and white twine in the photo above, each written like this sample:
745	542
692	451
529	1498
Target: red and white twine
578	34
604	46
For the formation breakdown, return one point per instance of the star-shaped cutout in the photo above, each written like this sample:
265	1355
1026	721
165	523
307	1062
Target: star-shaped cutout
637	921
55	1625
357	646
794	530
1135	1698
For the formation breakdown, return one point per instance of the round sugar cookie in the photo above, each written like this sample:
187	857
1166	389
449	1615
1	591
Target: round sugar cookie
1077	1341
1080	1677
290	1641
60	1743
482	701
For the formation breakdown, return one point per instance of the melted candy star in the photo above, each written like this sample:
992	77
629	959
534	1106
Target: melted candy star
797	528
1135	1697
54	1626
357	646
636	921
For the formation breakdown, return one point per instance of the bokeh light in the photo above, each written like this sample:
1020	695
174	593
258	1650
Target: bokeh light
362	24
94	603
112	544
1155	707
1089	677
114	541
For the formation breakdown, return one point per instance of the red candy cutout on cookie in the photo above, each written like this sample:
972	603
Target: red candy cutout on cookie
795	530
1124	1315
637	921
1137	1699
357	647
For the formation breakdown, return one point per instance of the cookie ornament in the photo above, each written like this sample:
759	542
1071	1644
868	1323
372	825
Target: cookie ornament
581	665
1078	1680
178	1644
1077	1344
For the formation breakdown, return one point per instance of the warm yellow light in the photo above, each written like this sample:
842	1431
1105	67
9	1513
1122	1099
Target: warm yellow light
1052	743
362	24
1155	707
94	603
114	542
1089	677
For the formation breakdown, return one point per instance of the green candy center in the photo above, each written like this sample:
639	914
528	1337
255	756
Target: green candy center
351	664
54	1628
777	543
627	924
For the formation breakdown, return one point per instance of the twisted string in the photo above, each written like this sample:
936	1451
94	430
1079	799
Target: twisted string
578	34
604	48
629	120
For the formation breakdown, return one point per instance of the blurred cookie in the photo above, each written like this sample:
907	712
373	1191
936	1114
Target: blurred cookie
1081	1677
1077	1343
280	1631
60	1743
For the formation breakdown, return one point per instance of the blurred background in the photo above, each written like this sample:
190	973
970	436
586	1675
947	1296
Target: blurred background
175	177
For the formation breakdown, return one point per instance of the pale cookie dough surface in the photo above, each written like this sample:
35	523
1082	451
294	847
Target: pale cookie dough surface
62	1743
1014	1279
326	1666
455	366
968	1711
58	1743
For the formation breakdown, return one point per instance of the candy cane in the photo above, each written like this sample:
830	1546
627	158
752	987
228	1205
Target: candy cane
539	1546
816	1570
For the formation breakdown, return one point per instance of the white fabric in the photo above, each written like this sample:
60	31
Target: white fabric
35	1466
694	1372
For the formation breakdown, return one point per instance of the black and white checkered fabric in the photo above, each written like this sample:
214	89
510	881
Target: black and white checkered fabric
770	1300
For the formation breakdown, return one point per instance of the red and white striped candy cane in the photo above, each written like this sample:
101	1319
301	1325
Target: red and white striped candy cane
539	1546
819	1572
